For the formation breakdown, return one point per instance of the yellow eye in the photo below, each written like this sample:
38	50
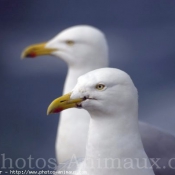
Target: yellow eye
70	42
100	86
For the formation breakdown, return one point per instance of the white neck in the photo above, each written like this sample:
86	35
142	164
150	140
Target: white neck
107	132
112	137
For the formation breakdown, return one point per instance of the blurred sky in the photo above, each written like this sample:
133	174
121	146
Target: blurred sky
141	38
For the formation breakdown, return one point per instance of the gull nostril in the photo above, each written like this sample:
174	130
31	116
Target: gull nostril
84	98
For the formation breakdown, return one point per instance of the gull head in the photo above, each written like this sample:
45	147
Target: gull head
78	46
102	91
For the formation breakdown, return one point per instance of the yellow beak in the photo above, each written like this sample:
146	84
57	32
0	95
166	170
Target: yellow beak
37	50
62	103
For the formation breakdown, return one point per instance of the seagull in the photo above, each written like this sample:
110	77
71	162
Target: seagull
84	48
111	99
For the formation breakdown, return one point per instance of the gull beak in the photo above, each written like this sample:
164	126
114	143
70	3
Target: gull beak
36	50
62	103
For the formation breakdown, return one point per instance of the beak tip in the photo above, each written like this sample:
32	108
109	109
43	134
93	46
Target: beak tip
22	56
48	112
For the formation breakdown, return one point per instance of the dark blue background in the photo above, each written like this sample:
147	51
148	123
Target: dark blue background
141	38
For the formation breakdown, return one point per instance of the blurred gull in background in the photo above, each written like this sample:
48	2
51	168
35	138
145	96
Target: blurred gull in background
84	48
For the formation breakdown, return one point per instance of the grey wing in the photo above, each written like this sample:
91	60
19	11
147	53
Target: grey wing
159	144
68	167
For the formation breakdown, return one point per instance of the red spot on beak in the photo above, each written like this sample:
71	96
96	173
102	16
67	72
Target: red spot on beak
32	55
57	110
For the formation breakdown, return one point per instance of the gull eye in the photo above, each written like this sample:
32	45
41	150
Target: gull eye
69	42
100	86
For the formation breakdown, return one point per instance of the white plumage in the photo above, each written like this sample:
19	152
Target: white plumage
84	48
111	99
